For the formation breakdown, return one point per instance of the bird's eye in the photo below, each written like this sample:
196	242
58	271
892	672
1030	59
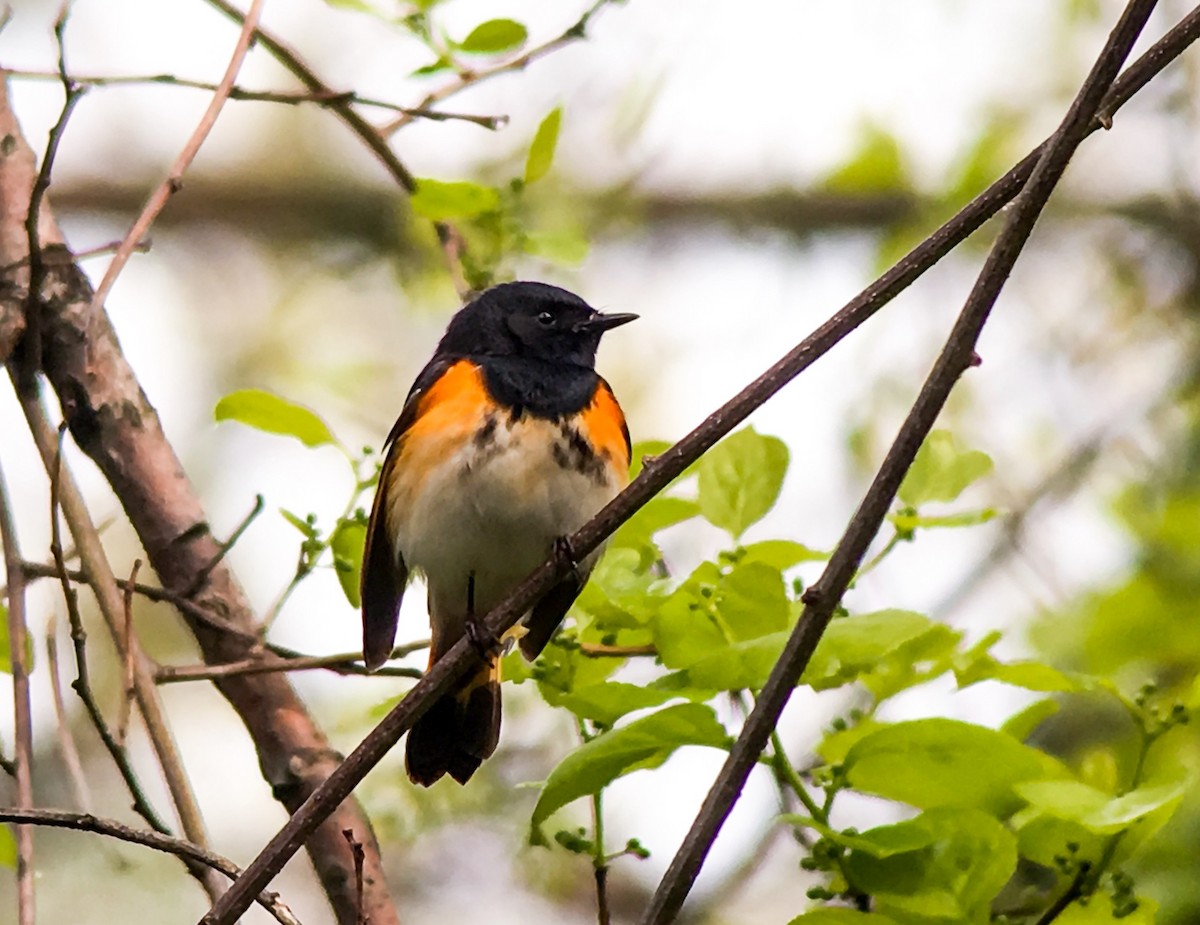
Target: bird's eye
545	319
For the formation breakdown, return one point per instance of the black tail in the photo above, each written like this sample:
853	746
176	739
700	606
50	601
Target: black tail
458	732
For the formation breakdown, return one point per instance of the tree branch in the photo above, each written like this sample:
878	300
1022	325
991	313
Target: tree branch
174	180
86	822
656	476
285	97
956	357
114	423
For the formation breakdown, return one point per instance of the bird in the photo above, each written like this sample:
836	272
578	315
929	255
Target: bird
508	442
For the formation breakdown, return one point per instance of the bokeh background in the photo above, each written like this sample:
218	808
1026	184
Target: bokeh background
738	173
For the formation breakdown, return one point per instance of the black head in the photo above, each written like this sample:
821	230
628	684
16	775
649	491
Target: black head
531	320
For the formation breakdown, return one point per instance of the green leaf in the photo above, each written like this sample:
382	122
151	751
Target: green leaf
684	632
1023	724
8	848
780	554
644	743
494	36
943	762
268	412
608	701
566	246
301	524
541	150
942	470
835	916
966	859
1095	810
729	667
439	201
751	602
441	65
904	521
876	165
856	645
740	479
657	514
347	546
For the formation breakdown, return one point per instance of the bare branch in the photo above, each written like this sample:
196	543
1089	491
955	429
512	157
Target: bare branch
114	423
85	822
956	357
467	78
343	663
653	479
83	685
66	741
286	97
174	181
18	635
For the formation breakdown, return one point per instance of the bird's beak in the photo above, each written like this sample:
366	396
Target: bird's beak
601	322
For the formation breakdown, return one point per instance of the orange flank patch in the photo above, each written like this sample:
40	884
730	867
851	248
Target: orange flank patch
448	415
605	426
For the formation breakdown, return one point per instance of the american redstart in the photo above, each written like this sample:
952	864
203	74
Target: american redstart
508	442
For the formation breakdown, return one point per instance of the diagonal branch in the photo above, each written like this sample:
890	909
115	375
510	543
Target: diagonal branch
86	822
956	357
174	180
656	475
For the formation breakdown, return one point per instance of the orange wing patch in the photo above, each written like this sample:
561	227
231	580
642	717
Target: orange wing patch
605	425
447	416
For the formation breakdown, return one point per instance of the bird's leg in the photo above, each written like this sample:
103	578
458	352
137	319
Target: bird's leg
484	641
566	559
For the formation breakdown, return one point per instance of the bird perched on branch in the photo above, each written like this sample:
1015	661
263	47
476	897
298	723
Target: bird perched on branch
509	442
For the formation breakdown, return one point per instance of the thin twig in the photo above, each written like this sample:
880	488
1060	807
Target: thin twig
223	548
127	688
292	660
1072	893
82	684
65	495
469	78
345	663
18	635
31	345
956	357
449	239
600	650
356	851
86	822
654	478
174	180
292	62
66	741
286	97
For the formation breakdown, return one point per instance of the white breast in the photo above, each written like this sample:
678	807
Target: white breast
494	508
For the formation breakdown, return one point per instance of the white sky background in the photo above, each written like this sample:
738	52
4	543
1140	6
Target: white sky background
762	95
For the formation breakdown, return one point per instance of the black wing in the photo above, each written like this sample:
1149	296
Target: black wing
384	574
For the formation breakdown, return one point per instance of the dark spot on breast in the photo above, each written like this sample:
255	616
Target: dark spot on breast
573	452
486	435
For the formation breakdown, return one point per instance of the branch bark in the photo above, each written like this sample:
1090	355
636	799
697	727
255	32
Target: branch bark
956	357
656	475
113	422
86	822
